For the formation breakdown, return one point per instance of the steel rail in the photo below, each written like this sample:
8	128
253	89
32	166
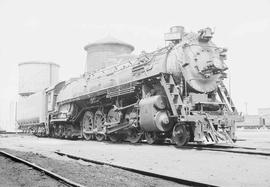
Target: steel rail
142	172
8	132
220	148
36	167
228	150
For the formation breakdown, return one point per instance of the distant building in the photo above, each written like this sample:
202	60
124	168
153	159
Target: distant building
264	114
256	121
250	121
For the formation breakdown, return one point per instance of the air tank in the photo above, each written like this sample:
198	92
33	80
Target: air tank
36	76
101	53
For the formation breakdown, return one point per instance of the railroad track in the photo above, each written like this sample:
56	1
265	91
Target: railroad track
217	148
227	149
142	172
40	169
230	149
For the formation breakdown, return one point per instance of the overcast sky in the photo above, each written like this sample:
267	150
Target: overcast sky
57	31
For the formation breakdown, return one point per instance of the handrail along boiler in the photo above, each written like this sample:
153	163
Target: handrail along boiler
174	93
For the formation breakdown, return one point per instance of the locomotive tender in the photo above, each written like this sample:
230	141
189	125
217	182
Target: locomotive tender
174	93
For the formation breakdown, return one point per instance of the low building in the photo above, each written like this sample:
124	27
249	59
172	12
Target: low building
264	114
250	121
262	119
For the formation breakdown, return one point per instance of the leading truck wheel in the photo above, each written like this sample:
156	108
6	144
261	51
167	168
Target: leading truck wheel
115	137
151	137
133	135
180	135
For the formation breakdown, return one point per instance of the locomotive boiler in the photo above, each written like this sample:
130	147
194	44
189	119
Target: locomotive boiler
175	93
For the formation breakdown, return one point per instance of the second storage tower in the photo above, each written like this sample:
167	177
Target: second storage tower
35	76
101	53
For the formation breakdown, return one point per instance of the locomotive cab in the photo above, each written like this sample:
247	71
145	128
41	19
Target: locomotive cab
51	95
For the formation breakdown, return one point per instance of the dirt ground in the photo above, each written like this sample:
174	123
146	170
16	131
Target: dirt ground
14	174
83	173
254	138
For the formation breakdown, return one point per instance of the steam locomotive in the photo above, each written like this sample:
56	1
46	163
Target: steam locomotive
175	93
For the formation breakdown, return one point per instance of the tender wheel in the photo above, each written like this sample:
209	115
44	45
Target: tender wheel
61	131
180	135
151	137
100	137
99	121
87	125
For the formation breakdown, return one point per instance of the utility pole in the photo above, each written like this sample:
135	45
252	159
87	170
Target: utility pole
246	106
16	123
230	88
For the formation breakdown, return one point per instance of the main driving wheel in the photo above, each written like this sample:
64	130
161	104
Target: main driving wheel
134	133
87	125
180	135
99	121
113	116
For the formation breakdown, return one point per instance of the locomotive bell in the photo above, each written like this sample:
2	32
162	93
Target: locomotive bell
103	53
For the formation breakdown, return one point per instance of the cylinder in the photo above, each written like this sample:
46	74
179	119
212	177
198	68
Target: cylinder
153	116
101	54
36	76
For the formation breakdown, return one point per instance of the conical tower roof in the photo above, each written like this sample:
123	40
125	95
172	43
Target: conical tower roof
109	40
102	53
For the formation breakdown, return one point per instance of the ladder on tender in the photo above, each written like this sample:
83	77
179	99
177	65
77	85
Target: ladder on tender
172	94
225	97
